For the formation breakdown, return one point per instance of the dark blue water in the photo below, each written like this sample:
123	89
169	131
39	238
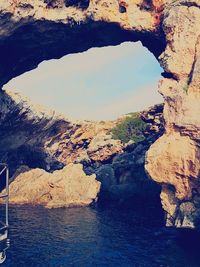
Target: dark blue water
92	237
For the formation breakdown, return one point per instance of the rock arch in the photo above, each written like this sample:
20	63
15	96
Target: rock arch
33	32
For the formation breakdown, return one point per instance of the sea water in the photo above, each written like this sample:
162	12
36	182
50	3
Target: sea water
92	237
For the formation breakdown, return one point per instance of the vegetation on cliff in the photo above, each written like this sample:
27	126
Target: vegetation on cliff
131	127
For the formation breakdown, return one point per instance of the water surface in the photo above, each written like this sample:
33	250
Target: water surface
92	237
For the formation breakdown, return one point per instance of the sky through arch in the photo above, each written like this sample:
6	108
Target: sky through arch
99	84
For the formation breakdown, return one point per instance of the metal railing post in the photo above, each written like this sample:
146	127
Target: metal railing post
7	192
4	241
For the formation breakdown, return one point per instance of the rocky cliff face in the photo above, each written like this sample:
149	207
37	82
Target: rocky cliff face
32	32
41	142
24	131
40	138
122	176
174	159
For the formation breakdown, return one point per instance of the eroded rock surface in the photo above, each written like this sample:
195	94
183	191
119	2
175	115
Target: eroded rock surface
89	142
45	141
31	32
40	138
28	27
69	187
122	176
174	159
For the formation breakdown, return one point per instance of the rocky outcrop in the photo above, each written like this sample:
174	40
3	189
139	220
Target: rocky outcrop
174	159
69	187
123	177
180	186
54	141
33	32
40	138
89	142
46	141
25	129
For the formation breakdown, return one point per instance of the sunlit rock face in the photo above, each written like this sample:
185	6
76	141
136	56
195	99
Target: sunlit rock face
69	187
31	32
174	159
41	143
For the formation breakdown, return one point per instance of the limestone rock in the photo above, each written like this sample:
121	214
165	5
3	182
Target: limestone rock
179	159
174	159
39	24
90	141
102	147
42	138
123	179
69	187
33	31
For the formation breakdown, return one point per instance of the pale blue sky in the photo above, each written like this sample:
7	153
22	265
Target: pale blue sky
100	84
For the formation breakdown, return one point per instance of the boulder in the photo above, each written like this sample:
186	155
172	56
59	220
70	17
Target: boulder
69	187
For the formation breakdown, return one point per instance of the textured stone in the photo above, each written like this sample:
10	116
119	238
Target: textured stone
124	180
37	137
69	187
105	146
69	27
178	158
33	32
174	159
62	141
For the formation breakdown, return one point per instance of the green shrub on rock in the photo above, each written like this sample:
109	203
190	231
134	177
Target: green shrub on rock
132	127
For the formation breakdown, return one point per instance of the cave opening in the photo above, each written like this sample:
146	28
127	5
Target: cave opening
87	96
102	85
46	151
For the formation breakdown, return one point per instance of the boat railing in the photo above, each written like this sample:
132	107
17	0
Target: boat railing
4	200
4	177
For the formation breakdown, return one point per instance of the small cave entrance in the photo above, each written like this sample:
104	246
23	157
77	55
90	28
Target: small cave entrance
103	90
